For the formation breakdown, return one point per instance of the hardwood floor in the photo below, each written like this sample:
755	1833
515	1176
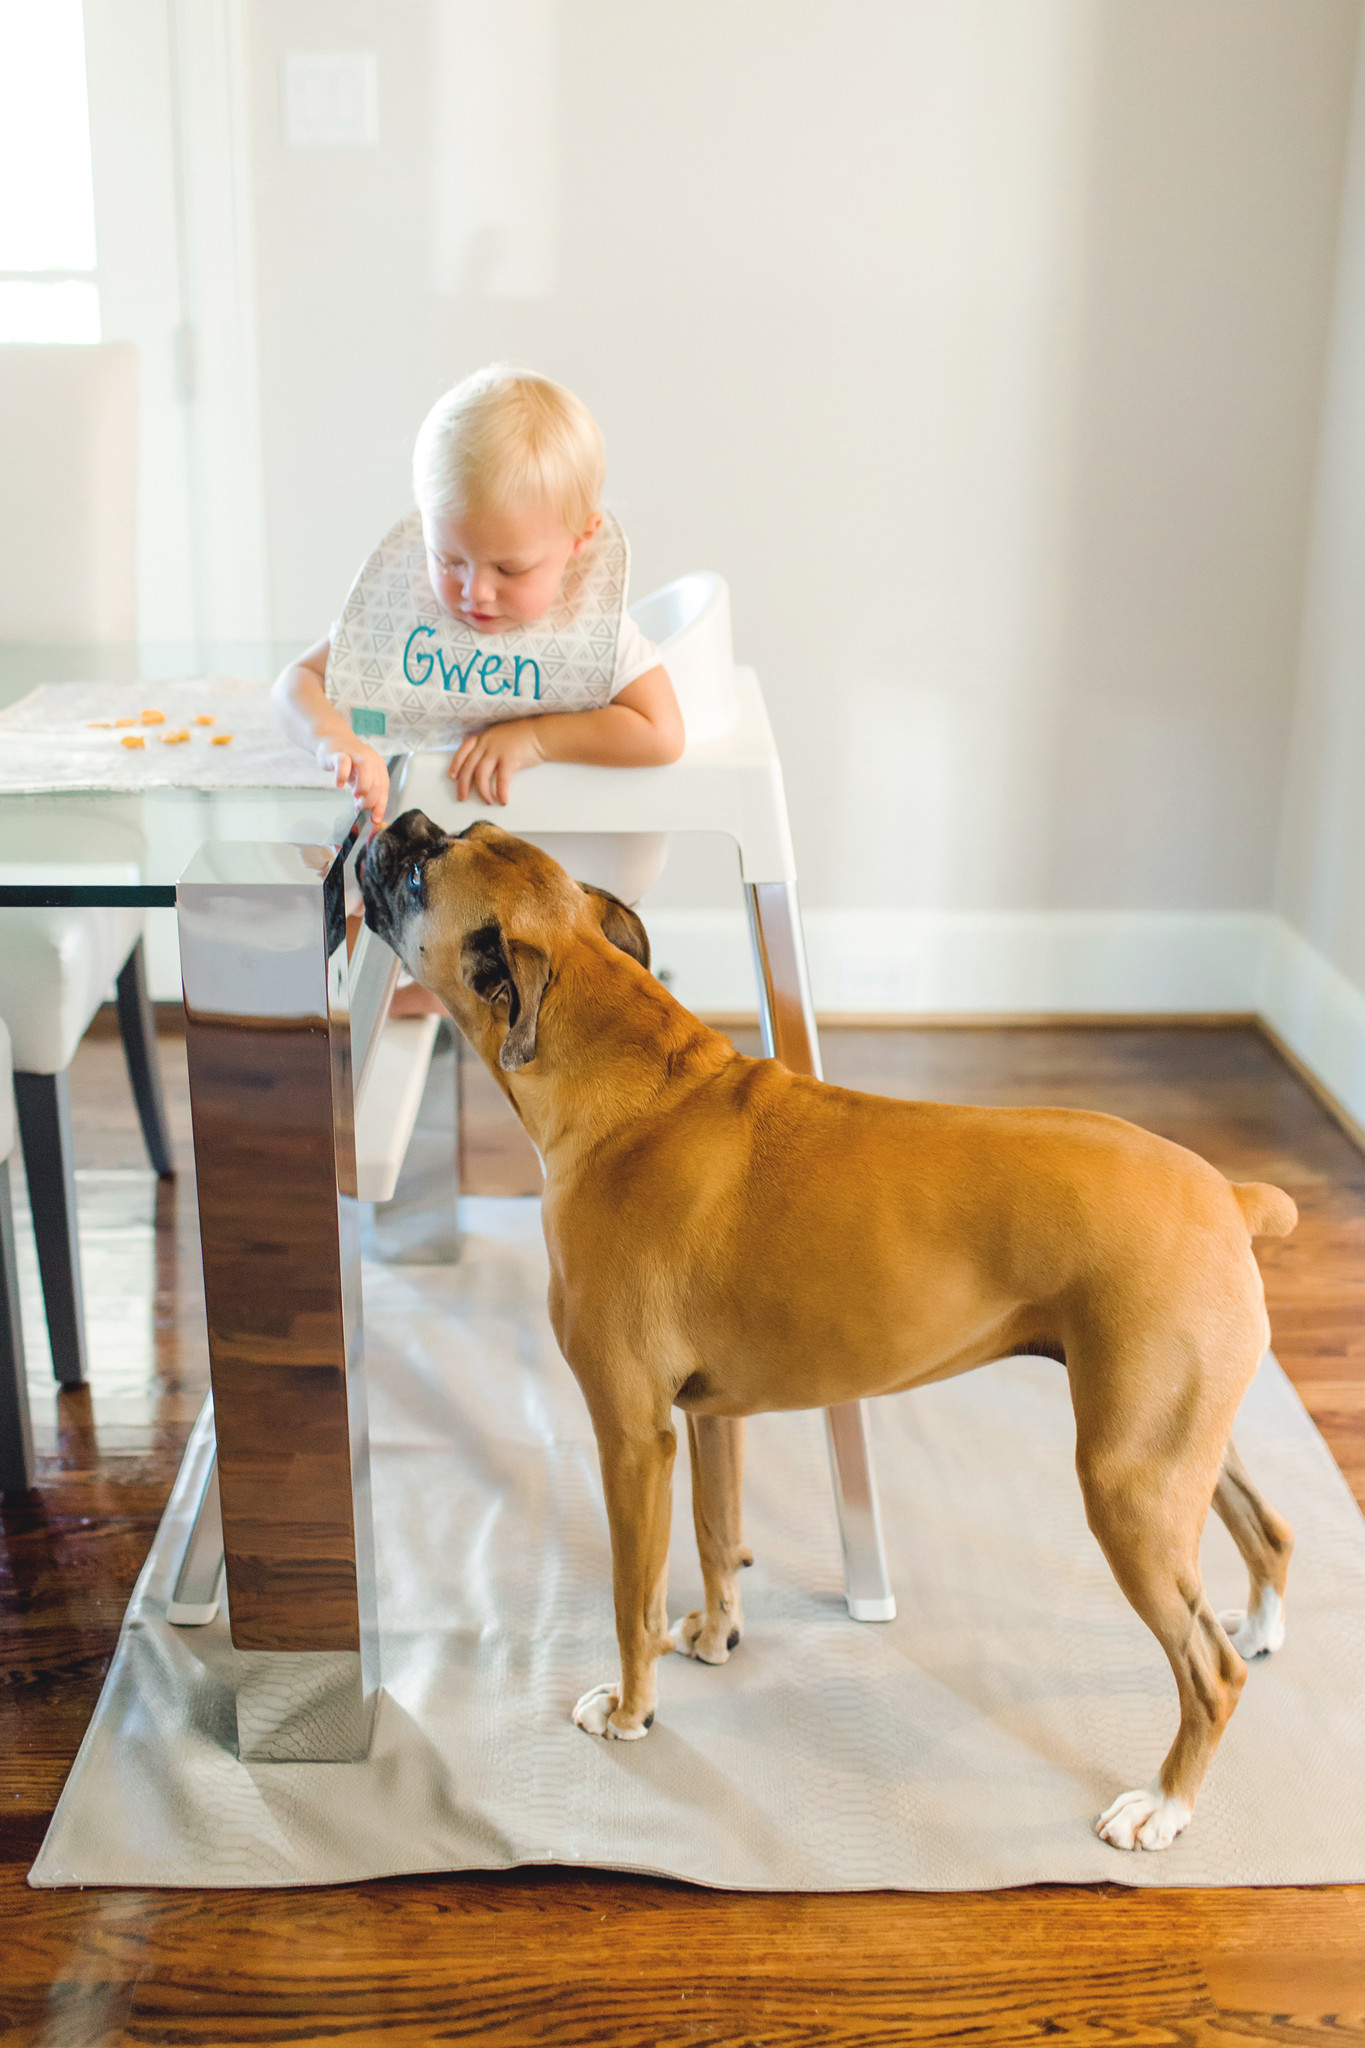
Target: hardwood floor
579	1957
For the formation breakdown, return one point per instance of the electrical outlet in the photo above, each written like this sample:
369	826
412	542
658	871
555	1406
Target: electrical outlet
330	99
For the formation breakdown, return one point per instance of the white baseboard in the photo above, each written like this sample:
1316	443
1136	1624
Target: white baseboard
1318	1013
903	962
999	963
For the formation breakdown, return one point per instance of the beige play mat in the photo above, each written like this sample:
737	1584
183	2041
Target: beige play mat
969	1743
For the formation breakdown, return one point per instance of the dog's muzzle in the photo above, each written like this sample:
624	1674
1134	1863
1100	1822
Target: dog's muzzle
392	873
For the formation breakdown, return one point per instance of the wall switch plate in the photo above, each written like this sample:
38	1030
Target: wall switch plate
330	99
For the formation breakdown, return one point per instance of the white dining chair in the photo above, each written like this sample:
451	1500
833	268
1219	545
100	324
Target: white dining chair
68	491
68	560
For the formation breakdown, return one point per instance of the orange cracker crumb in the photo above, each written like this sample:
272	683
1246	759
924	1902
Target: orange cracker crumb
176	738
98	724
221	739
205	718
132	739
152	717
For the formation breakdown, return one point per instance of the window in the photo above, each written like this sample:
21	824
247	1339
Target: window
47	203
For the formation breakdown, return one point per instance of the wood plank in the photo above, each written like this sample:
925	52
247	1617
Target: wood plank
570	1956
1317	1990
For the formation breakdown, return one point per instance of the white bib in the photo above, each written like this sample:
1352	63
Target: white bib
409	676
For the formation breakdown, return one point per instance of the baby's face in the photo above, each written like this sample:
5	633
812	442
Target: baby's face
495	570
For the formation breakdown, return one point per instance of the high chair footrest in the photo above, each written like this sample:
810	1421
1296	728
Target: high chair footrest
387	1110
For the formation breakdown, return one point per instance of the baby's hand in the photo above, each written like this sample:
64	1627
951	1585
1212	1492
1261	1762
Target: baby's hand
358	768
487	761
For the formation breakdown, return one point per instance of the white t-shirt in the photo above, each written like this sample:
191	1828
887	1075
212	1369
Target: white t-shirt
408	675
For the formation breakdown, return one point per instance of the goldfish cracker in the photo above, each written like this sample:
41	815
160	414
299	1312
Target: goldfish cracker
132	739
221	739
176	738
98	725
205	718
152	717
123	721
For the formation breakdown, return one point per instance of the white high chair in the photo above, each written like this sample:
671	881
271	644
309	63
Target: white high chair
729	780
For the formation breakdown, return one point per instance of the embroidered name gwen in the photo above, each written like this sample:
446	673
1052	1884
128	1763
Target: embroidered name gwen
487	665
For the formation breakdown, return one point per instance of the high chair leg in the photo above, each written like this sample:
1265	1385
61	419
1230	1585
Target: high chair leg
787	1016
867	1584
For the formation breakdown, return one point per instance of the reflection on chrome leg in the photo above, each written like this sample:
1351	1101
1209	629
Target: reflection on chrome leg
198	1591
263	952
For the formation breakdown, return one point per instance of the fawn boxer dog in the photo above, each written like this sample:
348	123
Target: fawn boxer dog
727	1237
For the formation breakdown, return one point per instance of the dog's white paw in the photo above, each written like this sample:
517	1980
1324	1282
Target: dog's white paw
695	1637
1143	1820
1258	1633
594	1711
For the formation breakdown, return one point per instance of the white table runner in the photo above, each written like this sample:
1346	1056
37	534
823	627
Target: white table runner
69	736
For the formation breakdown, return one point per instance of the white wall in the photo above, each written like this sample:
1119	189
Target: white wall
979	345
1321	883
132	138
1322	875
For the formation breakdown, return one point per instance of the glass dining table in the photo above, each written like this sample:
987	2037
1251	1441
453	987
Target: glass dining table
282	1021
280	1024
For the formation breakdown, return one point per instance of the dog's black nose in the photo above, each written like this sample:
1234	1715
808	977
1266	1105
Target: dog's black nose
413	836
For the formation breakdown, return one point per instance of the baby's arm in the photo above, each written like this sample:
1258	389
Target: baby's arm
312	721
642	727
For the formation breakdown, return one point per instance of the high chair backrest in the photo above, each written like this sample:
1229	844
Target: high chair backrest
689	622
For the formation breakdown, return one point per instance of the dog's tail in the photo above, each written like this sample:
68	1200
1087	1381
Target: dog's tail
1269	1211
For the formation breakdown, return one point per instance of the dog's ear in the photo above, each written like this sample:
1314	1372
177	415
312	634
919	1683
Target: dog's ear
619	923
499	969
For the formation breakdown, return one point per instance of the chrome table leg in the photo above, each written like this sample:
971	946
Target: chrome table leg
789	1034
268	1038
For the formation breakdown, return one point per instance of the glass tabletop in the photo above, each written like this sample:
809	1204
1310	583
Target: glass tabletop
82	846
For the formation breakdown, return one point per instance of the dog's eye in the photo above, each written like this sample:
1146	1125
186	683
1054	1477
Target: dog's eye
414	880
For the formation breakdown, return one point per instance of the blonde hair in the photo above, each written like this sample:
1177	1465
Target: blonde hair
509	438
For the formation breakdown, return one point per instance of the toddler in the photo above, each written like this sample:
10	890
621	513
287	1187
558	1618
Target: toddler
492	619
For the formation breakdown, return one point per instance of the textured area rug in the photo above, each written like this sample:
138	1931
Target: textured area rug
969	1743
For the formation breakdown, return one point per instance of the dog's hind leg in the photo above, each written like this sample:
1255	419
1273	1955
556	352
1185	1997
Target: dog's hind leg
716	1443
637	1477
1266	1541
1147	1509
1154	1553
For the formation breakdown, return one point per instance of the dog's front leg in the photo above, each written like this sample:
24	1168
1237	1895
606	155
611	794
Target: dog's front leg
637	1477
717	1446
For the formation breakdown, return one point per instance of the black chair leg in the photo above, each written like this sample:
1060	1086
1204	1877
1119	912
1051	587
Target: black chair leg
137	1023
44	1105
17	1470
